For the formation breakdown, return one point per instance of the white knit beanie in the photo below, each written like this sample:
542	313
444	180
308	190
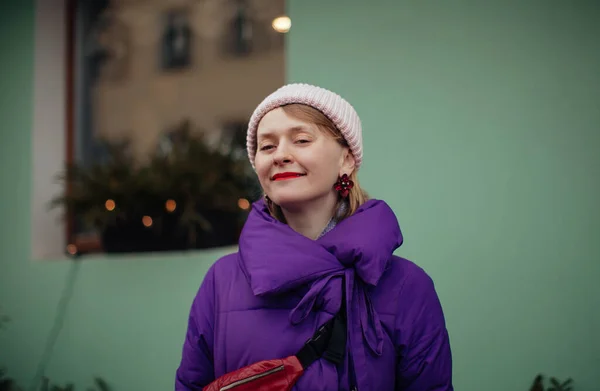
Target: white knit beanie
338	110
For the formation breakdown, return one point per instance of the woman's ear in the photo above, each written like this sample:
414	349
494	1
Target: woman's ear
348	163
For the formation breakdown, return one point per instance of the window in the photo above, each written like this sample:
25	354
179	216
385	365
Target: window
152	125
248	29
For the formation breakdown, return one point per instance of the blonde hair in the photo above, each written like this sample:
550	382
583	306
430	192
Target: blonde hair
357	195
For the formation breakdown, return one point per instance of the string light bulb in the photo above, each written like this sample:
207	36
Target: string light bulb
243	203
110	205
170	205
72	249
147	221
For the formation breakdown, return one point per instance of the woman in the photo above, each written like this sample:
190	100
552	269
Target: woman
314	247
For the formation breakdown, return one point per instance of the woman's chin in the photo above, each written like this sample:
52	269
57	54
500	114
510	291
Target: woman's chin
298	200
291	201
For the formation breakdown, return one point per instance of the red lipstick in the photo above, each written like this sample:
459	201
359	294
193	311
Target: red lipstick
286	175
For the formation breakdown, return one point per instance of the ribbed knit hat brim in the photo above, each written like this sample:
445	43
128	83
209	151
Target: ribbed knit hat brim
336	108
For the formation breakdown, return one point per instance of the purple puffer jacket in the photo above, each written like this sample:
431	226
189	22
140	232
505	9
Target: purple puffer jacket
266	300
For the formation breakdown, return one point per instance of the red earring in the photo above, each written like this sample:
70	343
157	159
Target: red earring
343	185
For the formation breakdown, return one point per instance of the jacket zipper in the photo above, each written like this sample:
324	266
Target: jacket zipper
252	378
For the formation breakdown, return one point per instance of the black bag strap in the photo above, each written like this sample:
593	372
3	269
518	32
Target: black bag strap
328	342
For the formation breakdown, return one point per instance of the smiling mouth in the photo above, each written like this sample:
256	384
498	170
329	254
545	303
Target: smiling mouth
286	175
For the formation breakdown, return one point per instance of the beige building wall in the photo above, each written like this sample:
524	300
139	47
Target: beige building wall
137	99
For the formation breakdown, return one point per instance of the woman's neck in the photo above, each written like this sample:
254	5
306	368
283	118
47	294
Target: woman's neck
311	220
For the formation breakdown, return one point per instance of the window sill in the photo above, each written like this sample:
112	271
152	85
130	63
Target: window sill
213	254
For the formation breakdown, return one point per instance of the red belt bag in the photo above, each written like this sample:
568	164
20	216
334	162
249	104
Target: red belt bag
328	342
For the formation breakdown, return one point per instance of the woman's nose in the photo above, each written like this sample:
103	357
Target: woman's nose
282	155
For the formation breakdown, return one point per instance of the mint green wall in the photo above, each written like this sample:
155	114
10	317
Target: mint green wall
482	130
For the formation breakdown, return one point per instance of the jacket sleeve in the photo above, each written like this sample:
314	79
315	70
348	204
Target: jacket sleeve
425	362
196	368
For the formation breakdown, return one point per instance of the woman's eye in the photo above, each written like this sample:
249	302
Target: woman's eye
302	141
266	147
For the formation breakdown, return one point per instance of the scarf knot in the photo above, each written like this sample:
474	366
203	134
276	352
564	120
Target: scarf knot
346	261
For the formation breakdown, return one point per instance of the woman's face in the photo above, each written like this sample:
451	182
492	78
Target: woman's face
296	162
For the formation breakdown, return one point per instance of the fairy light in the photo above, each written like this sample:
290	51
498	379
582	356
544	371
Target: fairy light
170	205
147	221
72	249
243	203
110	205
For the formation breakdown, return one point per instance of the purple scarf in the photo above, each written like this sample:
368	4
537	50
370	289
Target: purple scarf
276	260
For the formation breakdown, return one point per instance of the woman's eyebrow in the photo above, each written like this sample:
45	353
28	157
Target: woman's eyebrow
293	129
